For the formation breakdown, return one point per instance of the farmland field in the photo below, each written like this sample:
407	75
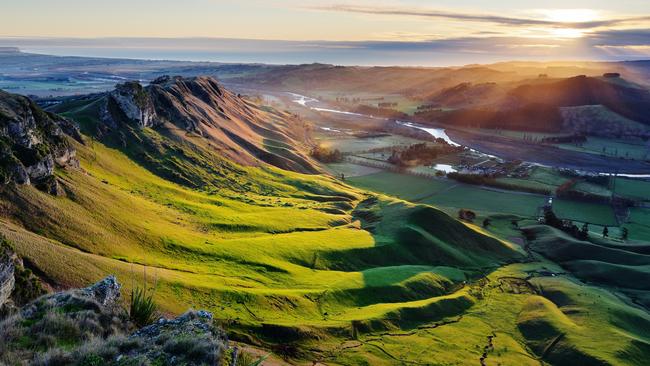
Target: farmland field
595	189
348	144
487	201
351	170
621	148
584	212
633	188
449	194
639	225
404	186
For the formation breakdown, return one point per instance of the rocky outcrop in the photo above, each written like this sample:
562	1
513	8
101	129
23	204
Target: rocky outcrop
88	326
17	284
188	339
7	279
132	102
33	142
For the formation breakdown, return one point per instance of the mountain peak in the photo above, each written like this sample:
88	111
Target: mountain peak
226	123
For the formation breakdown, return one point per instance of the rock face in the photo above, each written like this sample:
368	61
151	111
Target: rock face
105	292
7	279
17	284
32	142
133	101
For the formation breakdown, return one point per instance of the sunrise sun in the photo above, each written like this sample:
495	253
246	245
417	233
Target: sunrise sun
571	15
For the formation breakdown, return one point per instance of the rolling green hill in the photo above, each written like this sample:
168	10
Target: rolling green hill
298	264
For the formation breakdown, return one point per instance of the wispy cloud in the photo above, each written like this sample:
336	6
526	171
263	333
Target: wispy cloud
477	17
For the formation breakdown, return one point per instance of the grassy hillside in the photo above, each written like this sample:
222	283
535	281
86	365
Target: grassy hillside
307	267
290	258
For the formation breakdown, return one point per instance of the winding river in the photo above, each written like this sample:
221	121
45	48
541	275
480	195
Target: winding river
305	101
316	105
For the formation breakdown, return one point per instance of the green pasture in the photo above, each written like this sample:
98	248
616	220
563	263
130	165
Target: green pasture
351	144
633	188
629	149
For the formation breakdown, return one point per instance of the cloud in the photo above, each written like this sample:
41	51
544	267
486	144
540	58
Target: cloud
477	17
621	37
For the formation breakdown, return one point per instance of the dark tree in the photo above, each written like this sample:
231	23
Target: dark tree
624	233
487	222
550	218
325	155
584	232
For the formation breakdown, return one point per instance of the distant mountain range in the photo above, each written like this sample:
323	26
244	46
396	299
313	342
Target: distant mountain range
45	75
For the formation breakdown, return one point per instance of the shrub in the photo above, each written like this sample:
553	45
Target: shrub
325	155
196	351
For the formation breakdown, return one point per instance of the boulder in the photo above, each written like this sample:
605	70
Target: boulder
105	292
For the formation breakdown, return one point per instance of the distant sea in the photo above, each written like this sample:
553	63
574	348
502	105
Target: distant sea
266	51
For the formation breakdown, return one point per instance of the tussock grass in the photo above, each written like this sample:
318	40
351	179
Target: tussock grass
142	307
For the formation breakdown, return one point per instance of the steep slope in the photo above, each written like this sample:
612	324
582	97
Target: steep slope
231	127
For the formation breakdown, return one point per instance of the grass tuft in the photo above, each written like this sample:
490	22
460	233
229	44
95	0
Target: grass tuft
143	308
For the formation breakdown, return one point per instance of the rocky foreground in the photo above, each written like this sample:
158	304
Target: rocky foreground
89	326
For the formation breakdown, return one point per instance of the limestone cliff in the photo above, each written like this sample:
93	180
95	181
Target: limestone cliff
33	142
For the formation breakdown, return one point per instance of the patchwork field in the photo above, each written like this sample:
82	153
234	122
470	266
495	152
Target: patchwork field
407	187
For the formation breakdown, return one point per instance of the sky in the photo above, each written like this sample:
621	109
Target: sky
381	32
